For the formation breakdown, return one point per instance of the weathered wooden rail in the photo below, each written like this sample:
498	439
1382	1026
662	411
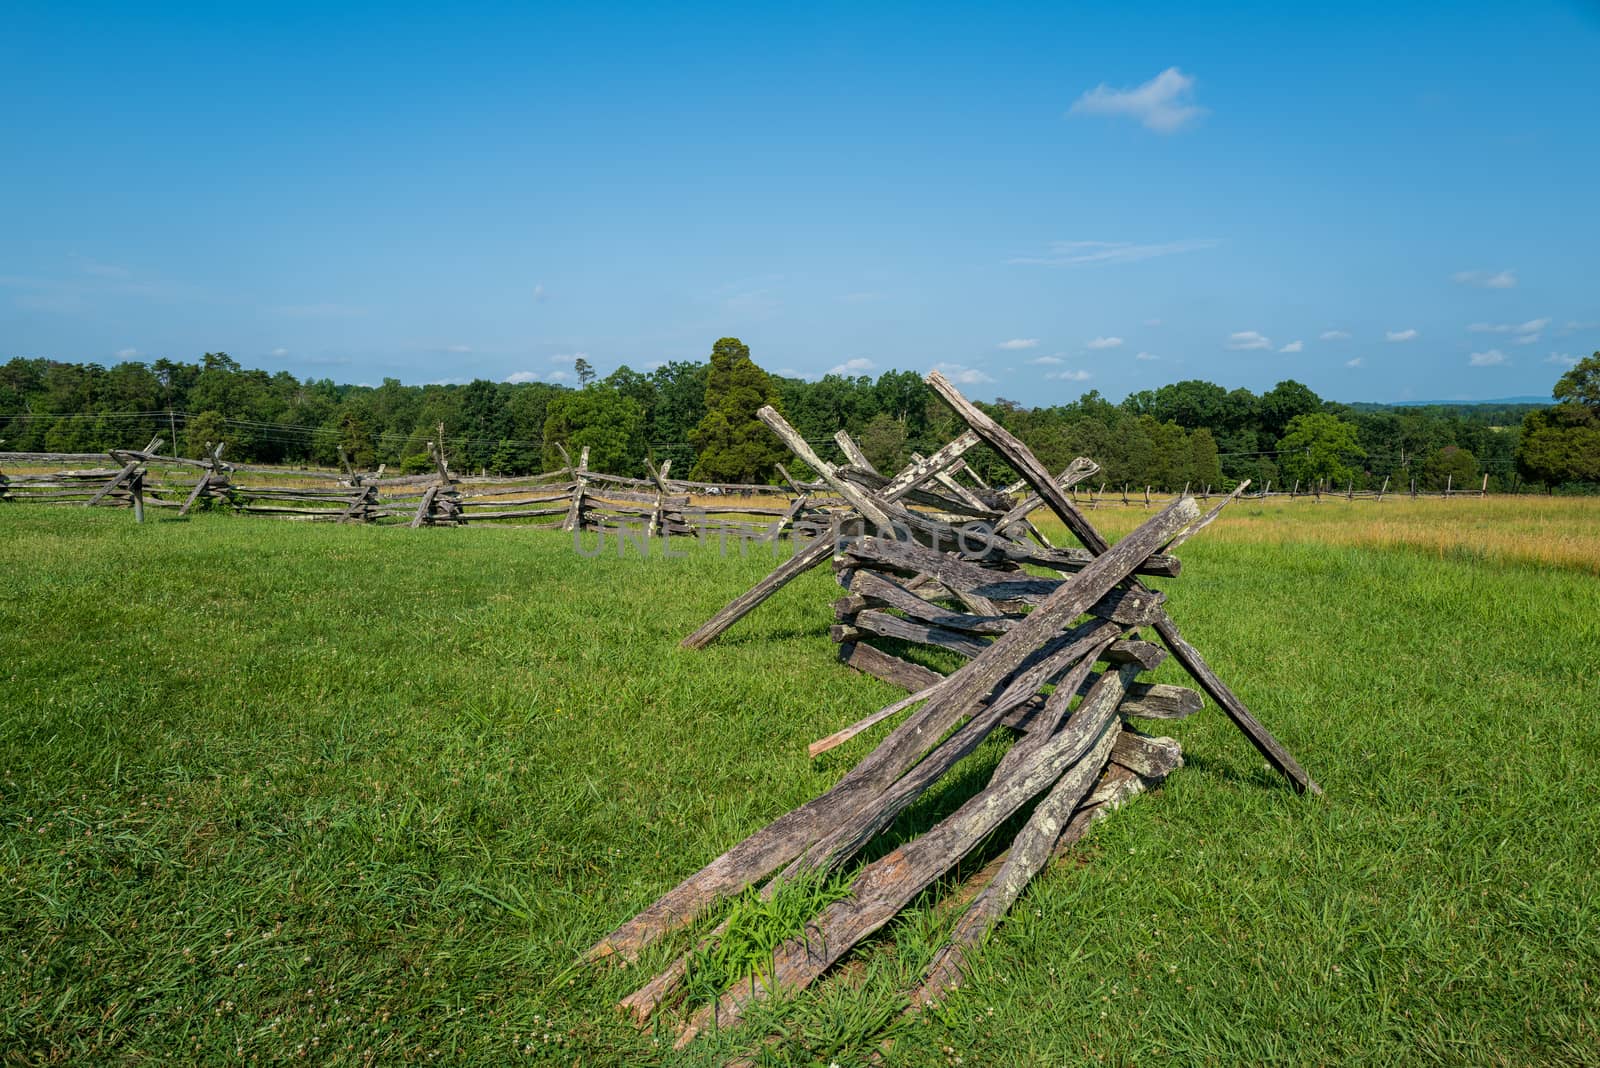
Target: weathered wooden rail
1054	659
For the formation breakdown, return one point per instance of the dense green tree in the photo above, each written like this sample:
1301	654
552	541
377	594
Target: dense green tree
1560	446
883	440
732	444
1450	467
1317	445
1285	401
1581	385
611	425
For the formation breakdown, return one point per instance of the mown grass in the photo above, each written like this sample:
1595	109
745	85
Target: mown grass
271	790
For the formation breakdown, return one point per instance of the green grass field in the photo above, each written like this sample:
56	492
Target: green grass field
353	795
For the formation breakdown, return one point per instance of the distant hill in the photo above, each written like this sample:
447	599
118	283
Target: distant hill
1502	402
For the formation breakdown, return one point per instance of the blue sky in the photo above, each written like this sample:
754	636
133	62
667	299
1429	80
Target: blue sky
1385	202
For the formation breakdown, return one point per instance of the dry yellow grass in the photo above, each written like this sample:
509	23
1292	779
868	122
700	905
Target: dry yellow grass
1559	532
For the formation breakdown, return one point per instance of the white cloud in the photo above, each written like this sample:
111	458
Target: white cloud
790	372
1248	339
1163	104
1562	358
1532	326
1152	322
1017	343
1400	335
962	376
448	382
280	351
522	376
1070	376
1105	343
1293	346
1334	335
562	376
1078	253
1486	359
569	357
1525	339
538	293
1147	356
1485	279
1353	363
853	367
1045	360
458	349
128	354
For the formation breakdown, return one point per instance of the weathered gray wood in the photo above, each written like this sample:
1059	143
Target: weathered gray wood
888	884
818	550
853	452
761	853
194	495
862	502
1144	654
425	507
1026	465
1152	758
1033	845
882	623
891	669
1209	518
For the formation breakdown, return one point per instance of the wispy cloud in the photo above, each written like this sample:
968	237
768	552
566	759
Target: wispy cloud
1506	279
522	376
1248	339
963	376
448	382
562	376
1400	335
1354	363
458	349
1561	358
790	372
1147	356
128	354
1105	343
569	357
1018	343
1152	322
1082	253
1334	335
1045	360
852	367
1070	376
1164	104
1293	346
538	296
863	297
1529	327
1486	359
280	351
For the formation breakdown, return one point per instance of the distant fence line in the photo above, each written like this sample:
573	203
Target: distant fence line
1316	490
571	498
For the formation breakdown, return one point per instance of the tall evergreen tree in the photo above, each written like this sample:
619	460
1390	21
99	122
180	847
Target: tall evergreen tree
732	444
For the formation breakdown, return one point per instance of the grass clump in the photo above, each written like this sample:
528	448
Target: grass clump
757	924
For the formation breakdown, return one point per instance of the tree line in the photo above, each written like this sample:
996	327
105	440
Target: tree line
702	416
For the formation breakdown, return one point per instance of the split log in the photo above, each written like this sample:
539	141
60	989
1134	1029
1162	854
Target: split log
783	839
